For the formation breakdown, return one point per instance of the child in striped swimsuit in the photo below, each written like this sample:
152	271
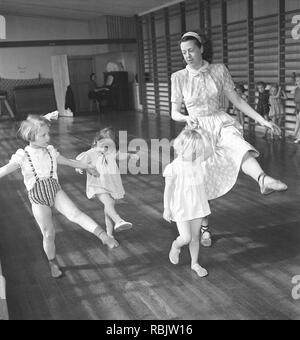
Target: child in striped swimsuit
38	163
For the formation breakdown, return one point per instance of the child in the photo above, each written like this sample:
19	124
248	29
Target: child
296	93
240	115
38	163
108	187
263	107
185	200
276	106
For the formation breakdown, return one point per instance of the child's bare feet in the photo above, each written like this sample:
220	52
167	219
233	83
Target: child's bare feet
109	241
56	273
201	272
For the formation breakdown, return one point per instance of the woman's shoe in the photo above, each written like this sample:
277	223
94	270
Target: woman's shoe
206	238
272	186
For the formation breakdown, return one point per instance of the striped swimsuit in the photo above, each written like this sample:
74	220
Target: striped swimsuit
44	190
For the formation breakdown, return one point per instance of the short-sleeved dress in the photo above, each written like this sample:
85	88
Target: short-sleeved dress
189	200
276	107
200	91
110	181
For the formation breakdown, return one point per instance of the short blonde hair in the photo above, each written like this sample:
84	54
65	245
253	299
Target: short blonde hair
189	141
30	127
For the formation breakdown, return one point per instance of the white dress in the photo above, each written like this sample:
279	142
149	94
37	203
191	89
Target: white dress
189	200
201	92
110	181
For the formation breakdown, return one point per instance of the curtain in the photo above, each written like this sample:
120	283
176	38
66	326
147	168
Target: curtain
61	82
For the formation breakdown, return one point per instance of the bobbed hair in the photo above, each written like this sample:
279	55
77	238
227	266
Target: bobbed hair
189	142
108	134
30	127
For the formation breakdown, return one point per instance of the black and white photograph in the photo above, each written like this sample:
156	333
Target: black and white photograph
149	157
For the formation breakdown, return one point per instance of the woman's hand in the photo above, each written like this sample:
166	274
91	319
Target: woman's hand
273	127
192	123
168	215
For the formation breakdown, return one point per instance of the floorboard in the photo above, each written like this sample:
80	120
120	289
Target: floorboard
255	255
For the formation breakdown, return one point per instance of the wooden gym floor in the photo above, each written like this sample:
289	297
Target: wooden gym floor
256	250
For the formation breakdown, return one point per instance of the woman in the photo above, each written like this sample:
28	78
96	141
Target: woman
200	86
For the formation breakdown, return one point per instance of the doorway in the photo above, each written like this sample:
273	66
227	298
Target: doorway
80	69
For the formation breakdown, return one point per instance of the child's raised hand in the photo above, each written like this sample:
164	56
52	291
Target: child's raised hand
167	215
92	171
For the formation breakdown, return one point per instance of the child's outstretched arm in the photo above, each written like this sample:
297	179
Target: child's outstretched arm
78	165
8	169
126	155
167	199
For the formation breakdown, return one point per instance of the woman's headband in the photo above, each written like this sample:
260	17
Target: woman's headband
194	35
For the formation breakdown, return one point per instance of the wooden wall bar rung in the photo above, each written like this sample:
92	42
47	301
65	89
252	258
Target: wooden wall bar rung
258	48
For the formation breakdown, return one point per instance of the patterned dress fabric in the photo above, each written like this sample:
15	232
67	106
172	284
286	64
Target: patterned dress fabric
201	91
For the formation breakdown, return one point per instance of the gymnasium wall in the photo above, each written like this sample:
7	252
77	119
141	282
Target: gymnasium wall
30	62
252	37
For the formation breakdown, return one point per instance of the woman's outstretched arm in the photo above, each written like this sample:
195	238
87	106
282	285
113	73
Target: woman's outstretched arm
247	109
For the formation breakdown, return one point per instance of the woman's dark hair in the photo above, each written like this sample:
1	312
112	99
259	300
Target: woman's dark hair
206	43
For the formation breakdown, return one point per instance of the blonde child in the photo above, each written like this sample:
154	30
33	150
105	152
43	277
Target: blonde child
185	199
276	105
240	89
38	162
296	93
108	187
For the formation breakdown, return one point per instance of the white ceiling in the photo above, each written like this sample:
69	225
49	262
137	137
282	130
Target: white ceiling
79	9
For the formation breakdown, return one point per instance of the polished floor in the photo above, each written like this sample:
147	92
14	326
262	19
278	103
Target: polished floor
255	256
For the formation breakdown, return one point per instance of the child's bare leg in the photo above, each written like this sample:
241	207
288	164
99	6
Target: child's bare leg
109	208
67	208
274	120
183	239
194	248
43	217
109	225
